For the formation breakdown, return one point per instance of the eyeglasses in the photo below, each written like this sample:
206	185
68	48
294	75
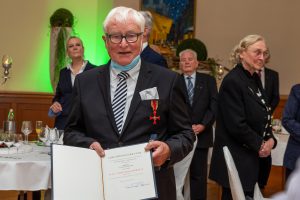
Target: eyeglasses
130	37
258	53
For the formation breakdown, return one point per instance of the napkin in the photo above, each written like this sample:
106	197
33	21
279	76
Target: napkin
149	94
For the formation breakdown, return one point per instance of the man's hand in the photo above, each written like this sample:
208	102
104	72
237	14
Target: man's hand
56	107
161	152
198	128
97	147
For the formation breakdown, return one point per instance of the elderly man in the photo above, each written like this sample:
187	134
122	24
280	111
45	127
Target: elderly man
129	101
201	98
148	53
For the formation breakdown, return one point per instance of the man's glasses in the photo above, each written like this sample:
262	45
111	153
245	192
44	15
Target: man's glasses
130	37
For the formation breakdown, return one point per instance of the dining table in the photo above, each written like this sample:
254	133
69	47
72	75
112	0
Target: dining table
278	154
25	169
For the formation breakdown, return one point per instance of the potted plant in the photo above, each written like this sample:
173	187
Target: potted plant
61	22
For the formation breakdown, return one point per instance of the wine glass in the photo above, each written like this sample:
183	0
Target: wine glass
18	141
44	136
9	140
38	127
276	125
26	129
53	136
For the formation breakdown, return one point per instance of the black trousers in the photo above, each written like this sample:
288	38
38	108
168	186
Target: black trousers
265	165
198	174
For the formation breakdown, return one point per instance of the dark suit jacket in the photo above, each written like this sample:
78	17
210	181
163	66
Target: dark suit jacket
240	125
63	95
91	118
272	87
204	108
153	57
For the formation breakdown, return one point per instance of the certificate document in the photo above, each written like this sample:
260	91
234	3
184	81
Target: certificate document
124	173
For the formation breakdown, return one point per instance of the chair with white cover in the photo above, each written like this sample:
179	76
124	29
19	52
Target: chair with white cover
234	179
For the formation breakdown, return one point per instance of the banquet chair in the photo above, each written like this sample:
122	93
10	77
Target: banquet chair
235	182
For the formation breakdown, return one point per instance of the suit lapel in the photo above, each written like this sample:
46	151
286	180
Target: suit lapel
67	78
251	90
198	88
142	83
186	96
103	80
267	80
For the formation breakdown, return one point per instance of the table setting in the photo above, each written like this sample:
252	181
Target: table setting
26	165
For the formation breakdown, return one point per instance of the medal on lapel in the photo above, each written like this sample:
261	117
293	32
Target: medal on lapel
154	105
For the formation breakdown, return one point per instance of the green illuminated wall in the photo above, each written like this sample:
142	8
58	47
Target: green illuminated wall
26	38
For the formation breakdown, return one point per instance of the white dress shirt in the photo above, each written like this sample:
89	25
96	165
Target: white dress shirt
131	84
193	79
73	75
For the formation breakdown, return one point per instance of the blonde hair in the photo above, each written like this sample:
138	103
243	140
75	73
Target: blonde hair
242	46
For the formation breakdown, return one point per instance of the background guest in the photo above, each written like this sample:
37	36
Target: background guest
244	118
115	105
291	191
148	53
201	99
60	108
270	82
291	122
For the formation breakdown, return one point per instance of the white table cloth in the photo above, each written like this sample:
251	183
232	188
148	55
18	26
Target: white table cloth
26	171
278	152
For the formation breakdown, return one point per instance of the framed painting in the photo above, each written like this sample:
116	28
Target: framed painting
173	20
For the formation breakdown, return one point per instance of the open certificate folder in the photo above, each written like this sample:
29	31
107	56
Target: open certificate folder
124	173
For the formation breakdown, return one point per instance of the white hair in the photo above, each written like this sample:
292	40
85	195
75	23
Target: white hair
121	15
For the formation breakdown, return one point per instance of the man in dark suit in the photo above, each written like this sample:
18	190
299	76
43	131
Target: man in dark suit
201	98
151	103
270	83
148	53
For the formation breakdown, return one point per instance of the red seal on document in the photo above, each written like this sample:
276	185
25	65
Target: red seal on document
154	105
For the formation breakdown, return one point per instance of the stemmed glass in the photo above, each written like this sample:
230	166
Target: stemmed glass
26	129
9	140
38	128
53	136
276	125
18	141
44	136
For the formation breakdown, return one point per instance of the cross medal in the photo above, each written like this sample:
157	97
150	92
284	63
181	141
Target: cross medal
154	105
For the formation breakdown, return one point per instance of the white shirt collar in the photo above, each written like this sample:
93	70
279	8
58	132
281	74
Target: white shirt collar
69	66
133	73
193	75
145	44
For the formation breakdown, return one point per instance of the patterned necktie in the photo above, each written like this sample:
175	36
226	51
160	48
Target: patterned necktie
119	102
190	89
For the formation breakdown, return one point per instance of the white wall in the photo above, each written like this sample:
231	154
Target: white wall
219	24
222	24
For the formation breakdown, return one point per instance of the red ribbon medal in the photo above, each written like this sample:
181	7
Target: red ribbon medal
154	105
